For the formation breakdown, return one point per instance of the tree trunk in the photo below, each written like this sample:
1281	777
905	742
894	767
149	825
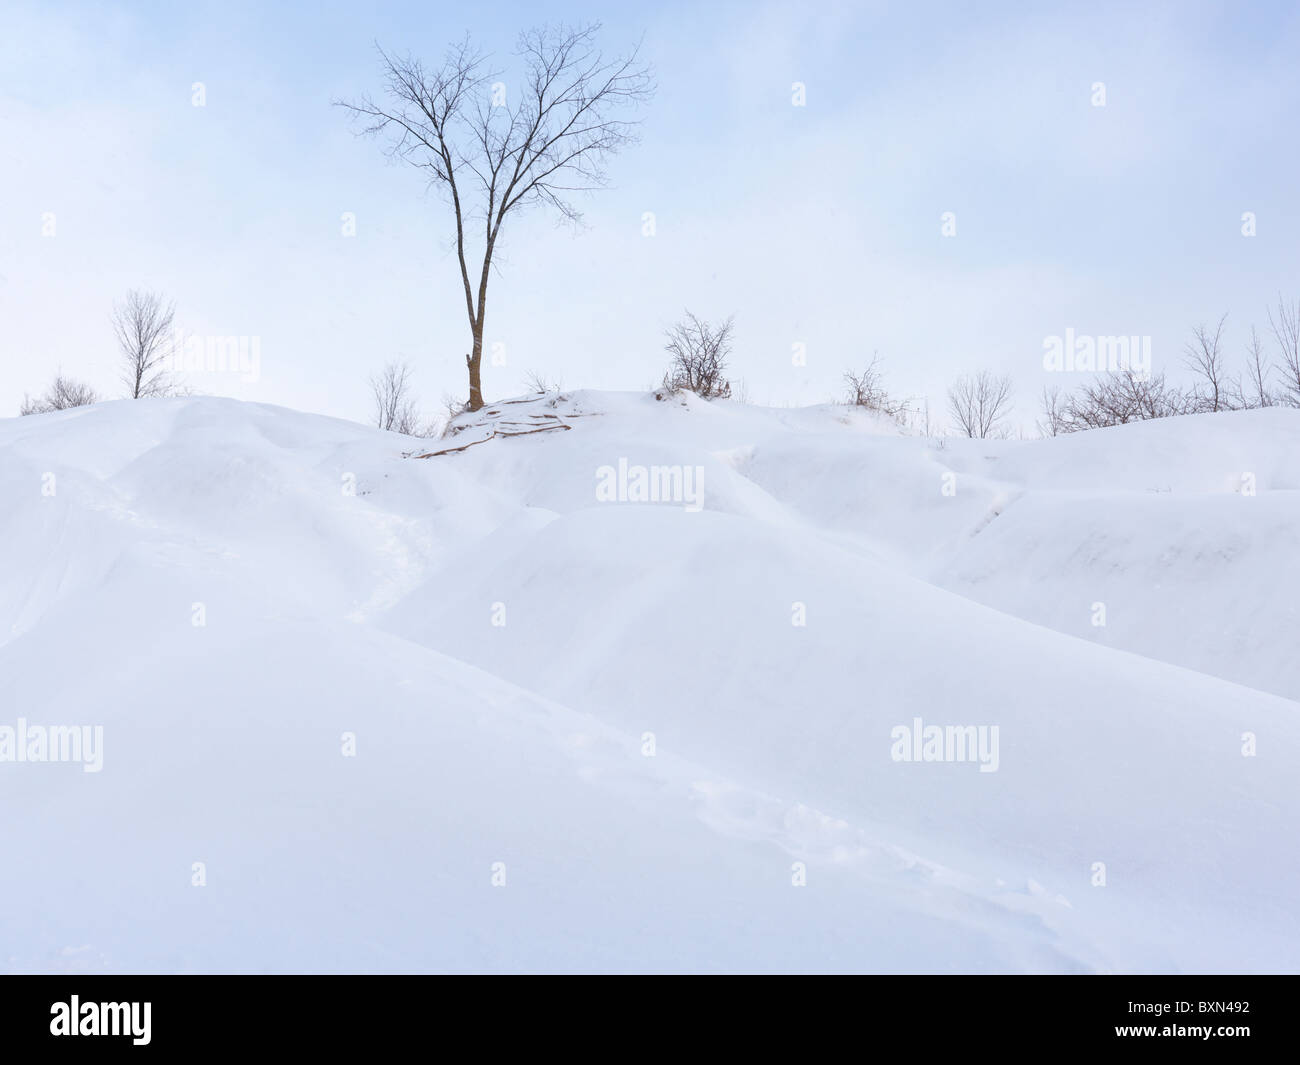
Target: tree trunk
475	361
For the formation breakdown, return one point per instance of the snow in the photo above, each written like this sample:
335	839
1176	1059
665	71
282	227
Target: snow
371	612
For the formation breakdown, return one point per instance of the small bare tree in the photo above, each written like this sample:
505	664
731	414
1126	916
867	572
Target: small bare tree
1286	331
1257	392
699	357
493	155
980	404
143	325
394	406
1055	420
1204	354
63	394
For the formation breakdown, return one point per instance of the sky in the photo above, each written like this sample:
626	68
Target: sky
820	228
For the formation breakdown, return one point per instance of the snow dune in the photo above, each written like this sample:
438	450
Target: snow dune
608	705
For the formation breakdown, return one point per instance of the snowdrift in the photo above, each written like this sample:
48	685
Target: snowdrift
599	727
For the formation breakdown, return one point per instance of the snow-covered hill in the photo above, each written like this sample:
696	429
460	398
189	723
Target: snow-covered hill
593	733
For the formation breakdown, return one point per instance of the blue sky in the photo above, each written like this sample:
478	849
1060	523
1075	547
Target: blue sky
817	225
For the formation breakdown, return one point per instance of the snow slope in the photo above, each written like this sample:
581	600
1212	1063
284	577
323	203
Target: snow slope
505	647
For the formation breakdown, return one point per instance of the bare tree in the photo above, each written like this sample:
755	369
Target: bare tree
699	357
980	404
491	157
1055	419
394	405
1204	354
143	325
1286	331
63	394
1257	392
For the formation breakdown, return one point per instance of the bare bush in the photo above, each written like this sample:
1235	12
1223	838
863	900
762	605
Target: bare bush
143	325
1113	399
63	394
979	405
867	389
539	383
699	357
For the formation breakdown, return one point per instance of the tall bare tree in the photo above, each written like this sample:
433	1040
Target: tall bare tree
143	325
493	152
980	404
